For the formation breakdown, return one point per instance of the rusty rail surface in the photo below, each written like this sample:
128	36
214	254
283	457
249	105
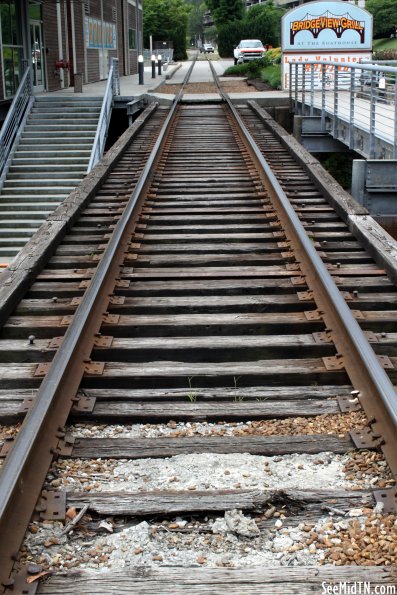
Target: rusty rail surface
42	435
377	393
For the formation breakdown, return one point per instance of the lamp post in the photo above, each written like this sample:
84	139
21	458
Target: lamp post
159	64
153	59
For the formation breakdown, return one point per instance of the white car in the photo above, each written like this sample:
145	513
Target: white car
248	49
207	48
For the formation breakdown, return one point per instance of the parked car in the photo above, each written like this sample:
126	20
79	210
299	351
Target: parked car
248	49
207	48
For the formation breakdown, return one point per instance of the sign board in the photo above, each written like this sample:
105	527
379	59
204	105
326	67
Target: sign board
337	31
100	34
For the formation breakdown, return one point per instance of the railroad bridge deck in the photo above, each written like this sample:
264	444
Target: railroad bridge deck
198	356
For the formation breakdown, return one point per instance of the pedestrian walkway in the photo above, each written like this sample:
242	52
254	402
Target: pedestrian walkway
129	85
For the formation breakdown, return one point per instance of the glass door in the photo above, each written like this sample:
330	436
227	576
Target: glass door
37	55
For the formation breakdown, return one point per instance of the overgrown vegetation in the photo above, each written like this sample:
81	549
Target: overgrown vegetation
268	68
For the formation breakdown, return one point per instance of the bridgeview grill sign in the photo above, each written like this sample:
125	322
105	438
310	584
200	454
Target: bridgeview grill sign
337	31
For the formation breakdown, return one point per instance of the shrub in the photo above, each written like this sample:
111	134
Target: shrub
272	75
385	55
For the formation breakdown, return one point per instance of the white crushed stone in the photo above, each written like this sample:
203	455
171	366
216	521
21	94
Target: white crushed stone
205	471
146	544
157	430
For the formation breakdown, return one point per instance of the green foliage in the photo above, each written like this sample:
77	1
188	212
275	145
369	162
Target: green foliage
274	56
385	16
195	26
166	20
238	70
385	44
225	11
262	21
385	55
264	69
272	75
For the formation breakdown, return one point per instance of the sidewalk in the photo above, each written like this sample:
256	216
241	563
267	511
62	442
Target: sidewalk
129	85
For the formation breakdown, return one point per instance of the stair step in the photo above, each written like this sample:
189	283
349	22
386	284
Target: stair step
16	232
76	121
54	189
29	223
56	124
67	100
67	112
50	198
43	205
32	168
46	173
35	211
56	134
27	149
52	143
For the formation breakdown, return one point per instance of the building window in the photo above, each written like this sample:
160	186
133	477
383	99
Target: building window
132	39
11	45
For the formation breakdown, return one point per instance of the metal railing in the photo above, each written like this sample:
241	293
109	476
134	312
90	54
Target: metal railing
166	55
360	96
15	117
112	89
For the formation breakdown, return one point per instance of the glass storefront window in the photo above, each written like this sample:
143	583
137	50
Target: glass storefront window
11	36
35	12
12	60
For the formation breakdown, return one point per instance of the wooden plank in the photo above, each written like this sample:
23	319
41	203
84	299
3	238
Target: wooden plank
253	393
139	448
177	272
258	580
166	369
221	236
158	412
220	303
167	502
211	287
380	245
189	259
207	342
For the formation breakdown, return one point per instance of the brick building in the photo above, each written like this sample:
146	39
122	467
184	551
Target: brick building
58	38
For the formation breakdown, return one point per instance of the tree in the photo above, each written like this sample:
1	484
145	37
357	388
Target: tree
225	11
385	17
195	25
262	21
166	20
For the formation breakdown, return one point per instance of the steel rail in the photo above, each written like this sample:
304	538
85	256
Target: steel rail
27	463
376	392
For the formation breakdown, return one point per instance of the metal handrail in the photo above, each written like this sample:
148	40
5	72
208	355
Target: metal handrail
363	95
14	117
112	89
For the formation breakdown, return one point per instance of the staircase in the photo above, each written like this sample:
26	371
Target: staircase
51	159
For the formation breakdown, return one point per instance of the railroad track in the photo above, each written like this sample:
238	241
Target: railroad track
197	393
